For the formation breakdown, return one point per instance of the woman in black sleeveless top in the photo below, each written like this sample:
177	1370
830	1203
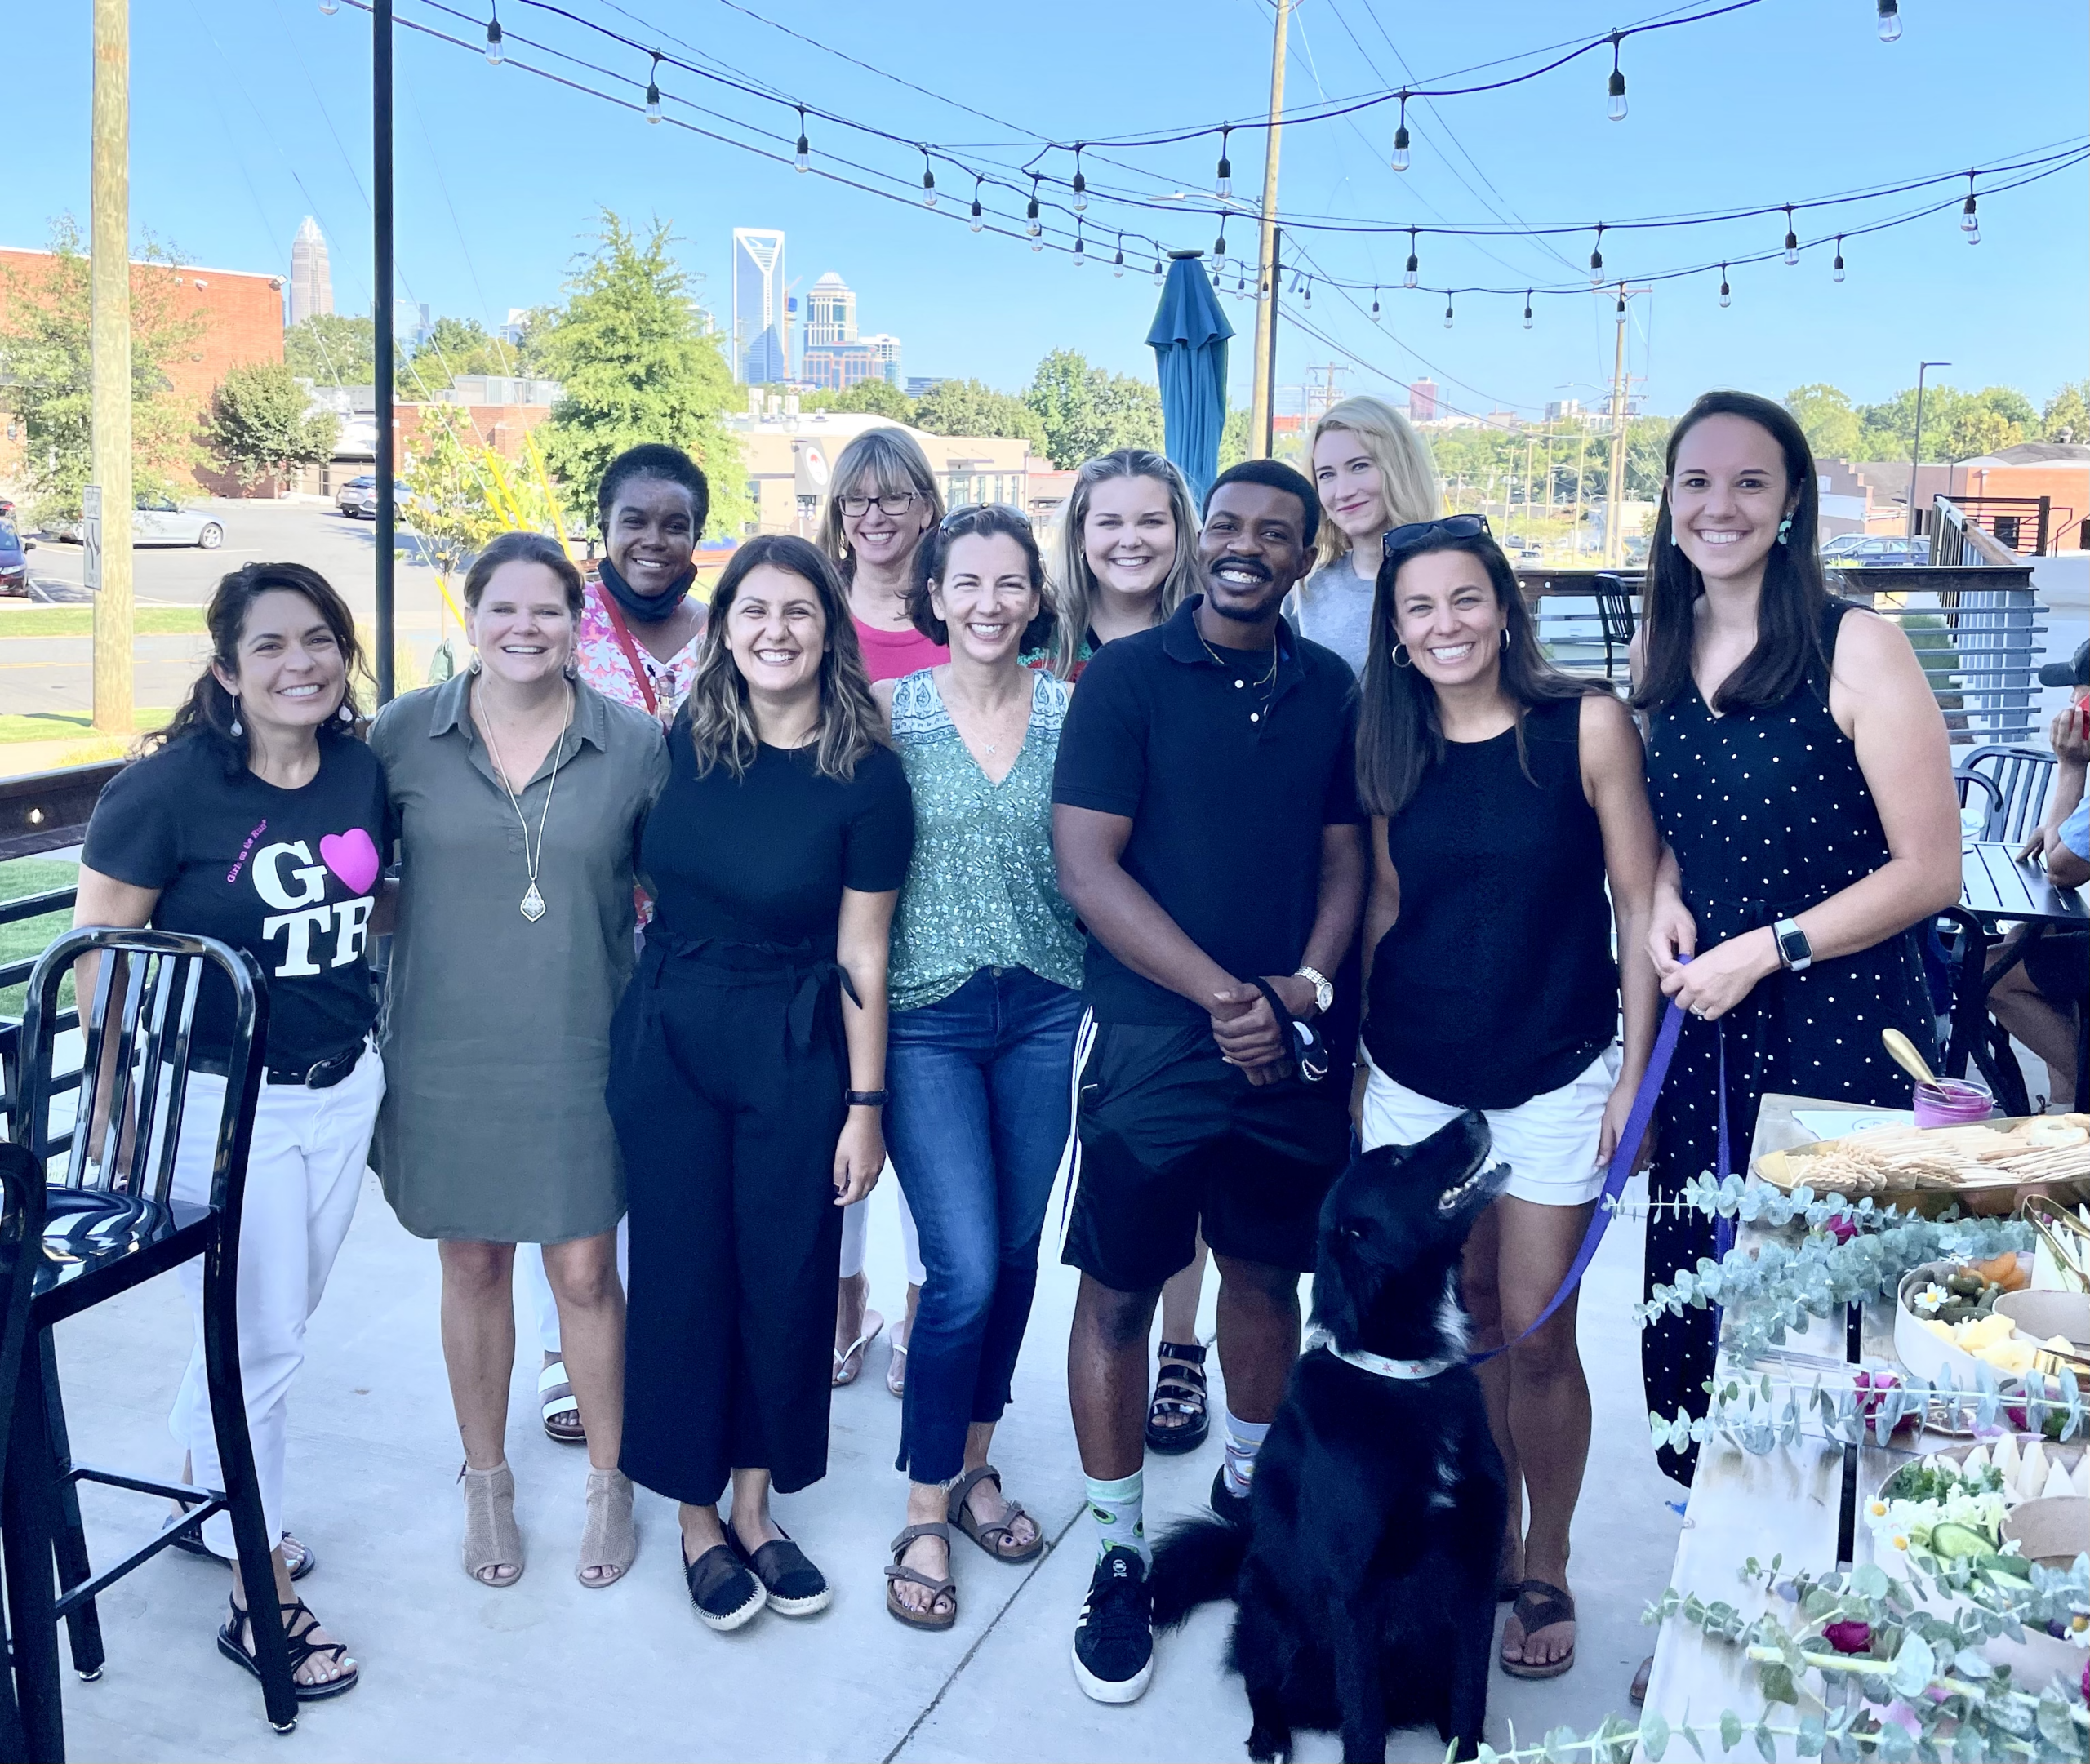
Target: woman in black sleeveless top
1803	786
1504	796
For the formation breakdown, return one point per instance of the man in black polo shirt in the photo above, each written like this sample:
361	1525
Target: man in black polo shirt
1206	827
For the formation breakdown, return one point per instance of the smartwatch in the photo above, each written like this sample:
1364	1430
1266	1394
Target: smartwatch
1795	955
1324	993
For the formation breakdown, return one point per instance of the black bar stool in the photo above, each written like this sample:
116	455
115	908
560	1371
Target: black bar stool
21	1236
111	1223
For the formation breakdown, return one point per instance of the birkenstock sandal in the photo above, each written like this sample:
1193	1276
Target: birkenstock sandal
990	1538
937	1590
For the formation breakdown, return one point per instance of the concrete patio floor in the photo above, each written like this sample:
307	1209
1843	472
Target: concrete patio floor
548	1669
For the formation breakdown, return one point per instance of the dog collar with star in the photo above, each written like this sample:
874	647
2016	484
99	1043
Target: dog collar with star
1379	1366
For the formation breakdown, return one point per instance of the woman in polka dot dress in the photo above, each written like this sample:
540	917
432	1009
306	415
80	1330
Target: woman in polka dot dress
1803	786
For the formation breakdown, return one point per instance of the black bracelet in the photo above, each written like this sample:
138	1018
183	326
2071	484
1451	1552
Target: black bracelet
865	1099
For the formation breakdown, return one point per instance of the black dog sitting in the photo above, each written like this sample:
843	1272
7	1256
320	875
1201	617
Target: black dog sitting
1366	1575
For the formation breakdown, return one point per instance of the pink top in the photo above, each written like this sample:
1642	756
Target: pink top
894	654
600	656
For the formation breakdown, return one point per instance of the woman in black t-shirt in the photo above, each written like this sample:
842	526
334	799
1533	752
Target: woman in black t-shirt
747	1068
1504	796
255	819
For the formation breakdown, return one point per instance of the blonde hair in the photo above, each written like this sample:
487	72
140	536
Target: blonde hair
894	462
1408	475
1071	591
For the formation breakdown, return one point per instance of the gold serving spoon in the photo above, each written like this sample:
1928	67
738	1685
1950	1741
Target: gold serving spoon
1902	1052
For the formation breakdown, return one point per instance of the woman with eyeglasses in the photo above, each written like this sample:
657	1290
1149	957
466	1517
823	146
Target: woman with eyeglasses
883	498
1506	795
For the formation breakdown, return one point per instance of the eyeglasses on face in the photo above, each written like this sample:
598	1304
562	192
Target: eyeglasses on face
894	502
1450	527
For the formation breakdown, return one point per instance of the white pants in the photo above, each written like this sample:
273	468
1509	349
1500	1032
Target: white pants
857	1231
1549	1143
542	1299
303	1173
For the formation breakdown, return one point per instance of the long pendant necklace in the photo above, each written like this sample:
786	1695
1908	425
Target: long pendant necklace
533	907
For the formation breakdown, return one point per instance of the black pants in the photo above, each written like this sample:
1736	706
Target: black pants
727	1070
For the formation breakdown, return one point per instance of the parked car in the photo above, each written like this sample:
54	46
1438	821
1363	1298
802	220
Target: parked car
358	498
14	564
156	521
1875	550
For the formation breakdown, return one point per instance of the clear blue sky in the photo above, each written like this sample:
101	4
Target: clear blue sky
247	114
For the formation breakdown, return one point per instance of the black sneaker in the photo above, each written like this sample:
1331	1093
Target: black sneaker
795	1587
1113	1641
723	1589
1232	1508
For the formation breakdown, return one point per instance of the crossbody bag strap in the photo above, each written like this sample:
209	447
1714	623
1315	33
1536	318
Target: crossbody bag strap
631	648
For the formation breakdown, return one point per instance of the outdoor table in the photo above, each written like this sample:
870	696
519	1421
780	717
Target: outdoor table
1996	889
1788	1501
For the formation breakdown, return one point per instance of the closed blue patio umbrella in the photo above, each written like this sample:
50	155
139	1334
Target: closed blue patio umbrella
1188	338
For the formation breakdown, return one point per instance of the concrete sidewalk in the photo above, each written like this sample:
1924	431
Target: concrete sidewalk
548	1669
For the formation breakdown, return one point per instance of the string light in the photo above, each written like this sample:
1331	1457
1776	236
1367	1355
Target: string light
1374	306
1407	281
1309	295
1890	21
1527	308
1030	226
1081	184
1621	302
1223	186
1448	309
1792	239
976	222
1157	271
653	91
1081	249
328	8
493	35
803	159
928	181
1117	267
1596	259
1970	223
1838	271
1725	293
1400	138
1219	253
1615	109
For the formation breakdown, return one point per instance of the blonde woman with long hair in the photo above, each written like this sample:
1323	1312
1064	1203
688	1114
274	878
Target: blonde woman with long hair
1373	472
1125	556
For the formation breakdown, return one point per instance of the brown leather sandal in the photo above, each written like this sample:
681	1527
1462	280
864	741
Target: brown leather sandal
937	1590
992	1538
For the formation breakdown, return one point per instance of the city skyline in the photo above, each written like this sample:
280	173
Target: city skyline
311	282
762	307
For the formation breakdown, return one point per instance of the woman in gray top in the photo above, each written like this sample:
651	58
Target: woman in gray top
517	794
1373	472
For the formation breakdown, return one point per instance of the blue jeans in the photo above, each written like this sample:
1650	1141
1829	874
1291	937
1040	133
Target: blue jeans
976	1125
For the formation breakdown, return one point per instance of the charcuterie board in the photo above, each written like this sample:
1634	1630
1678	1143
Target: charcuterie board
1988	1167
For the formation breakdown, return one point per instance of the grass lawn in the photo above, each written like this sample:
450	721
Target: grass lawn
79	621
52	725
32	876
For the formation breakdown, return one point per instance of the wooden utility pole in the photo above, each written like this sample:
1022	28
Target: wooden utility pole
109	349
1261	408
1613	537
1581	463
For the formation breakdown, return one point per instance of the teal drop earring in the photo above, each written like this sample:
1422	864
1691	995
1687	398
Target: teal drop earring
1785	528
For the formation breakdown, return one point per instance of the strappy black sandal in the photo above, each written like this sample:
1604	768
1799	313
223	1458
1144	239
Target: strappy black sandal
1179	1390
301	1650
299	1559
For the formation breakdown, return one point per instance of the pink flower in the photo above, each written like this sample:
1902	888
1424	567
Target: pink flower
1869	1388
1848	1637
1841	1226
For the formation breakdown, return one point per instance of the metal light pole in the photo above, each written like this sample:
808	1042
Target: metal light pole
1263	367
109	271
1916	451
380	206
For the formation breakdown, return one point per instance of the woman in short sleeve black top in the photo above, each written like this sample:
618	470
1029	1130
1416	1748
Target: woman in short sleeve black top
747	1066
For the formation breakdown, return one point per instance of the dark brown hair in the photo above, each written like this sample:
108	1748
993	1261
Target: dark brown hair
524	548
210	711
1795	596
978	519
721	727
1399	735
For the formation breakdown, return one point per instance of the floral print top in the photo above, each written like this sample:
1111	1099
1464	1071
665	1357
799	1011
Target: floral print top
603	664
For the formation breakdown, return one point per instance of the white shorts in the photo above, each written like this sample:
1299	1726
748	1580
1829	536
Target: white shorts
1550	1143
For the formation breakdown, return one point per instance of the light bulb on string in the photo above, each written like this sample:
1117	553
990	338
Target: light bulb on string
1308	296
1727	294
1890	21
928	181
1621	303
1527	308
1219	253
1030	226
1970	223
1407	280
1447	310
978	220
653	91
1081	185
1792	239
493	37
1081	249
328	8
1400	138
1375	305
803	160
1615	109
1596	259
1223	185
1837	272
1118	265
1157	273
1240	285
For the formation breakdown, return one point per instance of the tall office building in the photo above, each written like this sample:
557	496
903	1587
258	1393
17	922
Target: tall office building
836	356
312	285
830	311
761	322
1422	401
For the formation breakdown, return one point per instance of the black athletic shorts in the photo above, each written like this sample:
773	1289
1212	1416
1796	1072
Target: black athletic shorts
1171	1135
2058	964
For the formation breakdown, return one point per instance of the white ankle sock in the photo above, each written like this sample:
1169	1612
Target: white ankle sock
1244	1439
1120	1510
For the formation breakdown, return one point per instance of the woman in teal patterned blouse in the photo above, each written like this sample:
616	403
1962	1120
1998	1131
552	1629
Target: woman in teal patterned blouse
985	976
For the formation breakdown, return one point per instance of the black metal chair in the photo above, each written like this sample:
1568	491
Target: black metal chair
2021	776
21	1237
112	1223
1977	791
1617	618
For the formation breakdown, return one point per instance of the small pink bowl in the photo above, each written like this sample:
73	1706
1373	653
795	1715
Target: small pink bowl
1952	1103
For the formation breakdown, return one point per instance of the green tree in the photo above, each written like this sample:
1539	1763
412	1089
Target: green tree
332	349
1957	425
2066	417
637	365
1233	439
454	346
867	398
1086	411
967	407
1828	418
260	425
46	352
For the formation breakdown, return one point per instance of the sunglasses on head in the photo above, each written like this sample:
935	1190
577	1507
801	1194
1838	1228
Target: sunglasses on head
1450	527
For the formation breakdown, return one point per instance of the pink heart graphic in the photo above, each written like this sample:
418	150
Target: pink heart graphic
351	857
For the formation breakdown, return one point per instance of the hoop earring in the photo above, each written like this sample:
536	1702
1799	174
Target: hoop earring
238	728
1785	528
1402	659
1505	640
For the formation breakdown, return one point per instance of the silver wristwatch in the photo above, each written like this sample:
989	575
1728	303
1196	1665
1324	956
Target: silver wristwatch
1324	993
1795	953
